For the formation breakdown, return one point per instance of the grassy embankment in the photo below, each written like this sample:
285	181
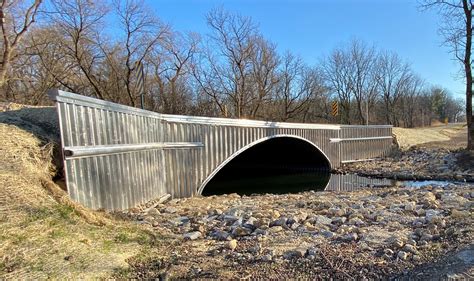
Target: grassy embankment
42	232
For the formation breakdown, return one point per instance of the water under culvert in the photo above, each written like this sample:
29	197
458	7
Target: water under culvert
267	168
305	181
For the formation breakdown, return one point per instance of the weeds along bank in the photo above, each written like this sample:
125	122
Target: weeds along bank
42	233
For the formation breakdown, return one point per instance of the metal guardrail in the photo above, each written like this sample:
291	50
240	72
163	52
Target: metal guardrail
117	156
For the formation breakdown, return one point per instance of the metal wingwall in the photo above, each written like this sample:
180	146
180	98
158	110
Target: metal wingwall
117	157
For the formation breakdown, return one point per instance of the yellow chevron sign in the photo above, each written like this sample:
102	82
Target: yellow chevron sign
139	76
335	108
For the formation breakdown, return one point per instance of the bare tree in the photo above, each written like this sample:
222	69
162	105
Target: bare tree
337	69
363	83
172	66
265	62
409	100
16	18
225	70
457	32
392	77
77	24
298	85
141	31
29	79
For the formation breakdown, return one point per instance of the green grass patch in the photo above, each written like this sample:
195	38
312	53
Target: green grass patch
57	233
67	213
140	237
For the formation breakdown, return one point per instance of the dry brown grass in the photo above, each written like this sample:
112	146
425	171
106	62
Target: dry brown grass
44	234
407	137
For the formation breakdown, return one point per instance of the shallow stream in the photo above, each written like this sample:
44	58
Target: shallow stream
304	181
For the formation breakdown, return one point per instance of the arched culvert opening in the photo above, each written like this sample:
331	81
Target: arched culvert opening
277	165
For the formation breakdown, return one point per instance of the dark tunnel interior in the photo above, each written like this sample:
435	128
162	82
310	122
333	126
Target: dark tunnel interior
277	165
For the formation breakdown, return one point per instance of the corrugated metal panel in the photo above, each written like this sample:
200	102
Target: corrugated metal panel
133	156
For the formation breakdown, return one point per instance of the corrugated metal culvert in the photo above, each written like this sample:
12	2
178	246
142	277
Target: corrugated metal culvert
117	157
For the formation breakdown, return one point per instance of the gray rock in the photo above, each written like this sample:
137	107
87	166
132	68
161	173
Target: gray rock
327	234
386	257
261	223
388	252
250	223
237	222
339	220
411	242
241	231
295	253
279	222
275	229
410	248
211	218
170	210
365	247
267	258
397	243
235	212
260	231
432	216
337	212
302	216
402	255
178	221
255	250
192	235
291	221
295	226
453	199
349	237
149	219
154	212
319	219
221	235
356	221
410	206
426	237
312	251
230	218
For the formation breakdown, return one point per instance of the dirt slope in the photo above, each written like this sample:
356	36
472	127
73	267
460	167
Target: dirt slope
42	233
407	137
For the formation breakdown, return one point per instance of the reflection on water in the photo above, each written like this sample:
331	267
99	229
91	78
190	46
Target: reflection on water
292	183
351	182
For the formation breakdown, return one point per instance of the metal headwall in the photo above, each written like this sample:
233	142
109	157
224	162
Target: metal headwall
117	156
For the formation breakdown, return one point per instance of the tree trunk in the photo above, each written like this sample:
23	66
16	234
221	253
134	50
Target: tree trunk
5	64
467	67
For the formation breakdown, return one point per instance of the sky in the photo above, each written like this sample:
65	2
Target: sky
313	28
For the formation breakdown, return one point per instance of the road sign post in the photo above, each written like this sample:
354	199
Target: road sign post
334	108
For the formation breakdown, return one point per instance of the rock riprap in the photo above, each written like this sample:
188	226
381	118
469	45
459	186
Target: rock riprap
394	224
416	164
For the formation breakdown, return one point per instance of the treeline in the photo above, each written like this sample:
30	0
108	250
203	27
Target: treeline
91	48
